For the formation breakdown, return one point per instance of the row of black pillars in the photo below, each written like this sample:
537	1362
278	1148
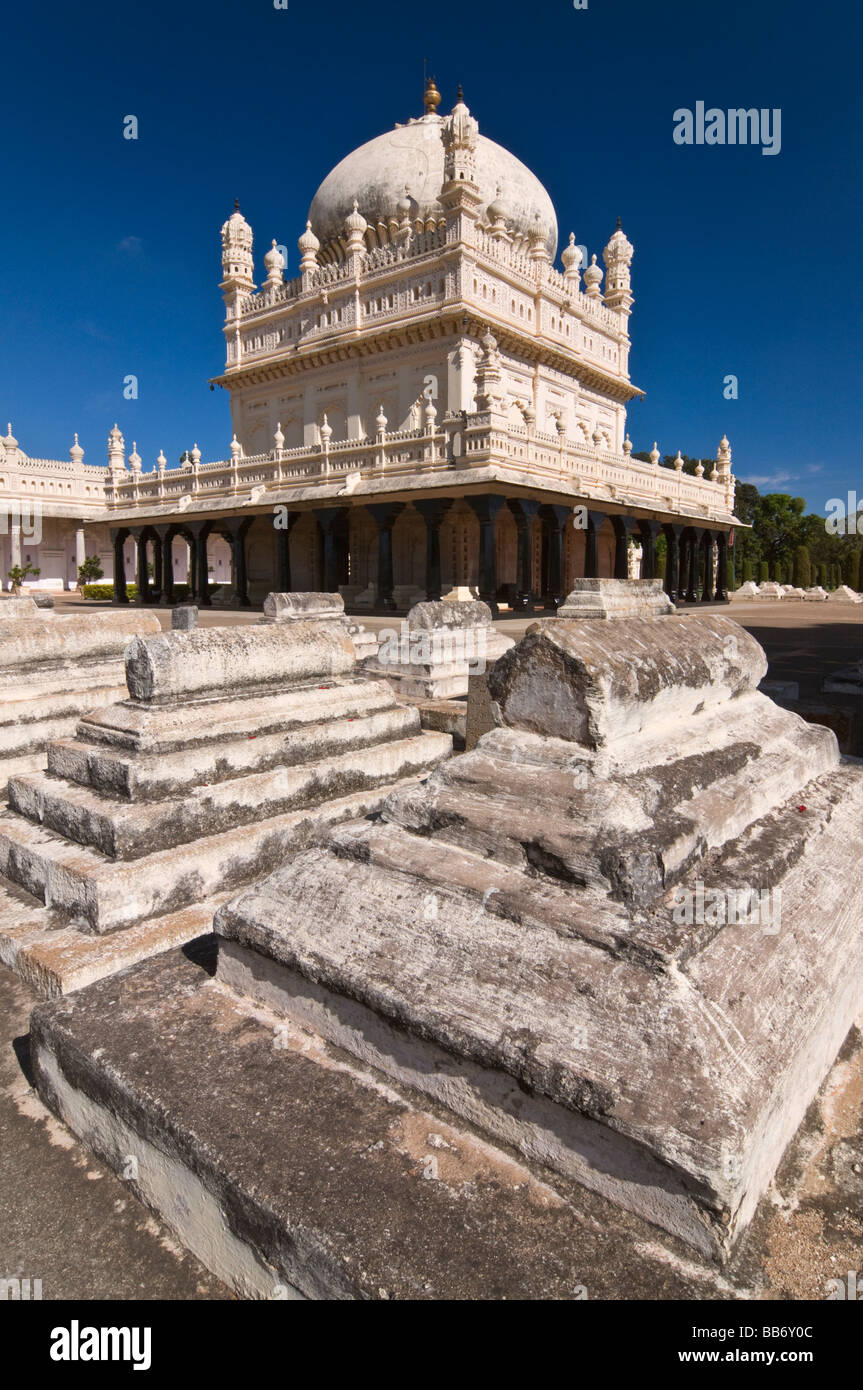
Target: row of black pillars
689	552
689	564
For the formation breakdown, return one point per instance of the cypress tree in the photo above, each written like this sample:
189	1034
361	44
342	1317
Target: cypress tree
763	572
747	571
802	568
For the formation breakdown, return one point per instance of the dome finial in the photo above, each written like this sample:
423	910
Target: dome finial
431	97
459	93
236	205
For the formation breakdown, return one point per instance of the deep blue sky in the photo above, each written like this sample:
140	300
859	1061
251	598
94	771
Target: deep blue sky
744	263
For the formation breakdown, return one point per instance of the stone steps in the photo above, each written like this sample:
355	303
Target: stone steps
142	729
124	830
145	777
55	959
103	894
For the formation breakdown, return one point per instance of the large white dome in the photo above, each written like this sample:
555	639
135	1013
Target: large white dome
412	155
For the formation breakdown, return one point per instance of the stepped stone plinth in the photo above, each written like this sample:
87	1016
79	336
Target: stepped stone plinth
535	974
52	671
234	746
540	971
432	654
616	598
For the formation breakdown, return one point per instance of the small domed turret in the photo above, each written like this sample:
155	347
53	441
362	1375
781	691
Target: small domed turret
275	265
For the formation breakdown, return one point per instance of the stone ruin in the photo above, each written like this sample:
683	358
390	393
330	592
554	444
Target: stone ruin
319	608
53	669
433	658
616	598
234	746
617	939
431	654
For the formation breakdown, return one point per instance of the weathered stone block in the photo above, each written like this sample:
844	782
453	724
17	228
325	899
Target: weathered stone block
14	610
616	598
184	617
53	670
590	683
249	659
437	648
297	607
236	746
535	975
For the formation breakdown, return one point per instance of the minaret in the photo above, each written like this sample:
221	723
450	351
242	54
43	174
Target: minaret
238	266
460	194
116	453
618	259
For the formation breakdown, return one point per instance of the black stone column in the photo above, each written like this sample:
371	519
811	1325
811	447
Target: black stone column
694	541
524	509
648	531
554	519
163	568
118	540
486	508
384	514
623	526
236	530
722	567
328	518
672	584
591	551
707	585
283	552
201	530
142	578
433	510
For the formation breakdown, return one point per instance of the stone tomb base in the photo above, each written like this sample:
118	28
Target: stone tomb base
235	746
616	598
501	952
436	649
55	669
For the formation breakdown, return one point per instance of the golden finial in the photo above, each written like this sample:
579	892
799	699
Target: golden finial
431	97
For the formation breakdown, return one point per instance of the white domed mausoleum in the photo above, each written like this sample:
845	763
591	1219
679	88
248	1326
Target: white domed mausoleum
431	407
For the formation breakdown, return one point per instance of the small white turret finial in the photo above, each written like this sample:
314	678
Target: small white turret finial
592	279
275	265
309	246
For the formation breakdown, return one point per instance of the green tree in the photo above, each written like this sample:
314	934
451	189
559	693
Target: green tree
747	571
90	572
851	567
802	569
778	523
763	572
19	573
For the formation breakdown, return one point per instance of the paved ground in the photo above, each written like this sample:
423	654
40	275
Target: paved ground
65	1219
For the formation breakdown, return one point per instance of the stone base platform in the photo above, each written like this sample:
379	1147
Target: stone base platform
616	598
291	1170
58	949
